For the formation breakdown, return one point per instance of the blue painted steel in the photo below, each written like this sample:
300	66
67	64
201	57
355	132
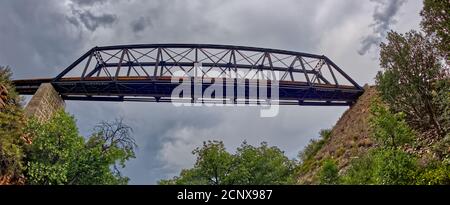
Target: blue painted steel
104	79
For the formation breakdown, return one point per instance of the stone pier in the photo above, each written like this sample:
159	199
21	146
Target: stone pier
44	103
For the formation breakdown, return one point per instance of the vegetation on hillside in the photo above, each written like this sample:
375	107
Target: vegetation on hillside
11	136
306	156
410	120
53	152
435	23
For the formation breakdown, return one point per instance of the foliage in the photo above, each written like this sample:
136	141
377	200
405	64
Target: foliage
390	129
11	125
361	171
315	145
329	173
214	164
59	155
306	156
411	71
436	173
442	149
395	167
386	164
262	165
436	22
55	145
441	97
414	88
383	166
249	165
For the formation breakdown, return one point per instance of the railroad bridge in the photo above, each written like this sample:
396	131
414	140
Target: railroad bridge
151	72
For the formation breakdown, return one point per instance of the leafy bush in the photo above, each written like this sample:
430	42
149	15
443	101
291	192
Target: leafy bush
436	173
361	171
387	164
395	167
390	129
383	166
329	173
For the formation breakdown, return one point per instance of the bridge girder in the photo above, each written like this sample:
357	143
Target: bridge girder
146	73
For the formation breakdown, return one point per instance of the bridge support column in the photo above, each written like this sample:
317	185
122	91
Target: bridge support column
44	103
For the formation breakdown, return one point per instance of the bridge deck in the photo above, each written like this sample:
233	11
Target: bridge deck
160	89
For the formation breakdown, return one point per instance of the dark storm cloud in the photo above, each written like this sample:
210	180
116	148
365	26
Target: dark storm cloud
36	39
383	18
141	24
82	14
88	2
91	21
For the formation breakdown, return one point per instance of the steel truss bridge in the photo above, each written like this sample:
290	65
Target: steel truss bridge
151	72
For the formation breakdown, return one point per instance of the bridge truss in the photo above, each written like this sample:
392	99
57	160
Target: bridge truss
147	73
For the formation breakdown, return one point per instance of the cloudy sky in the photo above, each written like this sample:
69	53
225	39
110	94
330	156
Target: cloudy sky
41	38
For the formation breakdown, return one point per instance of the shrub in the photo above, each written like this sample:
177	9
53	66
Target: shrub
361	171
437	173
390	129
383	166
329	173
395	167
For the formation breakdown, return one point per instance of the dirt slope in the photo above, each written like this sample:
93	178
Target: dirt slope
349	137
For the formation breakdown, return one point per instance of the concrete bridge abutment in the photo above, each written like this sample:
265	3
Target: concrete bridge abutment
44	103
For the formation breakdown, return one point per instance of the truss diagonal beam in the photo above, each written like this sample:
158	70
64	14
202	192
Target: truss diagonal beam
146	70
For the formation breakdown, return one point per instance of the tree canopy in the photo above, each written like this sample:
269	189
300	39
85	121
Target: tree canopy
12	139
413	81
436	23
59	155
250	165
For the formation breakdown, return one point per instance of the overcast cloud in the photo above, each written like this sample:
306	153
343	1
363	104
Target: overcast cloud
383	17
41	38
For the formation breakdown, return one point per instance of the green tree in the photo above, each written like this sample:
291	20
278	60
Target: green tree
389	129
262	165
436	23
213	166
412	69
12	140
329	173
250	165
388	163
59	155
